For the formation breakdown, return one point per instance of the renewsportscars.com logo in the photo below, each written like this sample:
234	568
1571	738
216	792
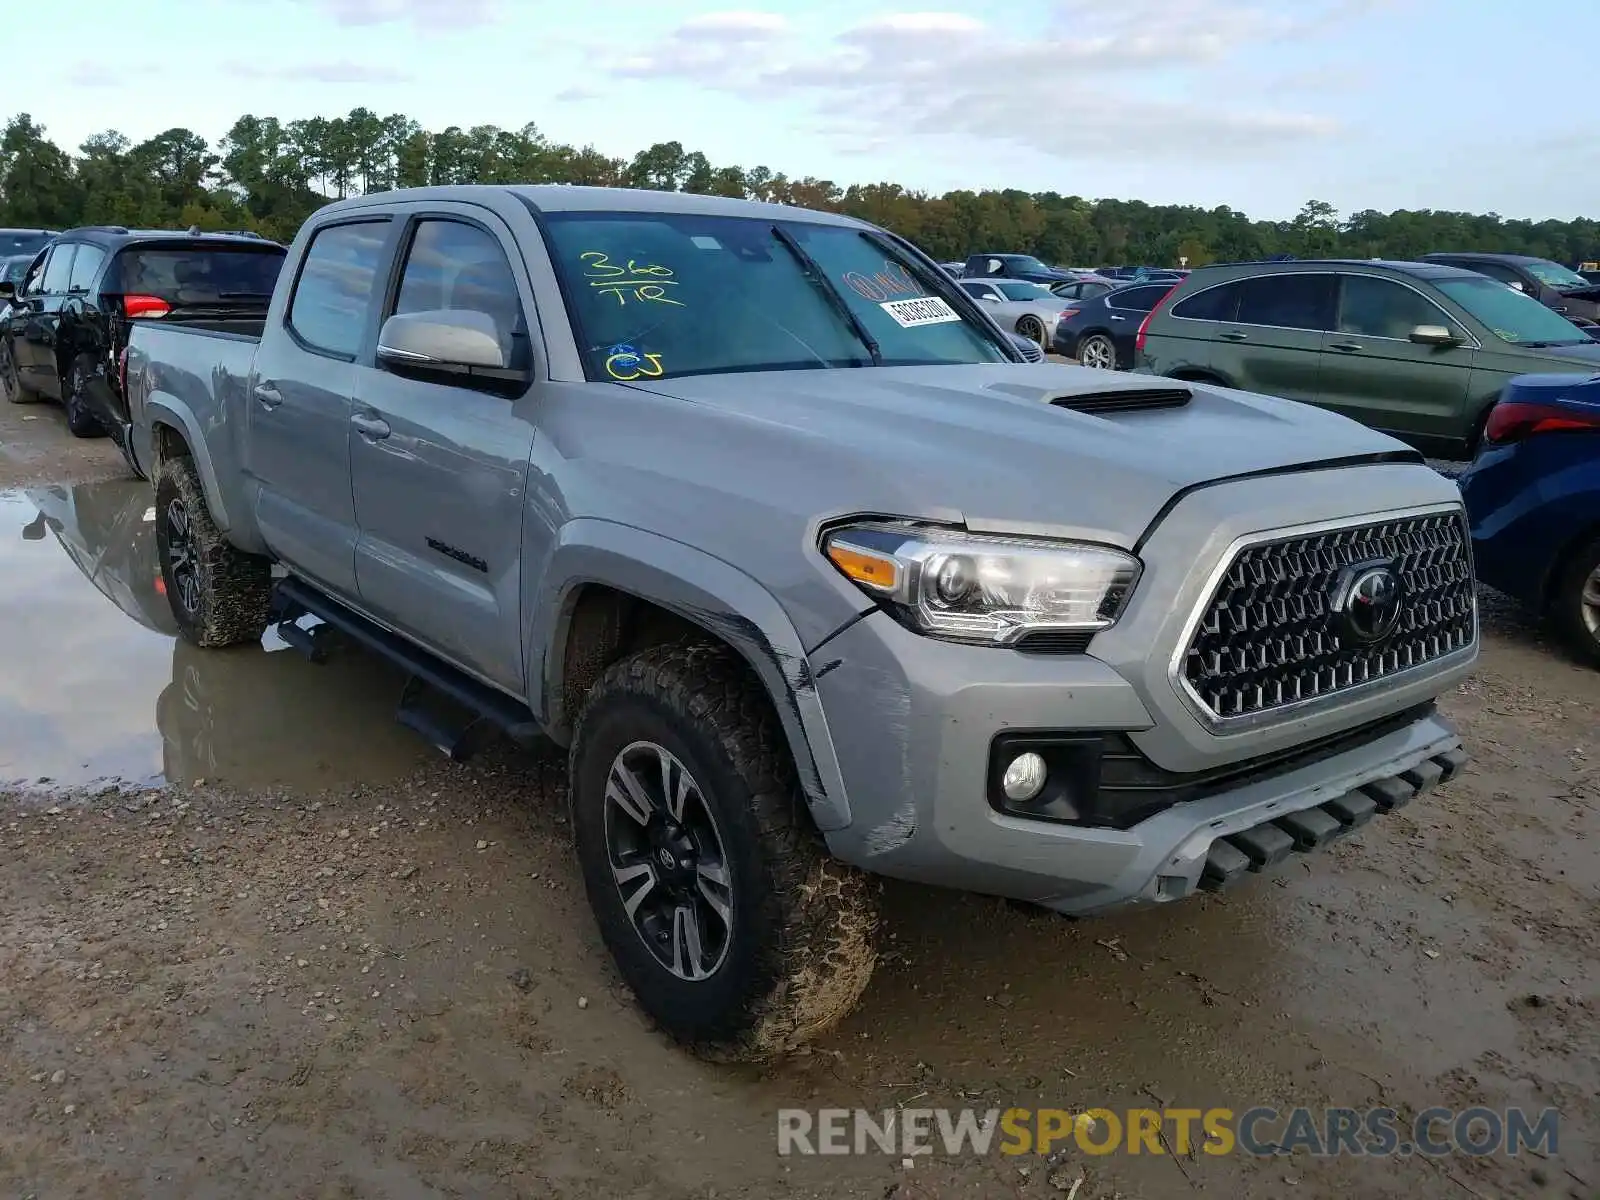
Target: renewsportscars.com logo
1260	1132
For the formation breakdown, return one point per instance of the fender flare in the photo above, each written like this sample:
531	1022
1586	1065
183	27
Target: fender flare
161	409
709	593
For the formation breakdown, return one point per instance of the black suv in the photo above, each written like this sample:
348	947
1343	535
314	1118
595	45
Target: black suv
68	326
1551	284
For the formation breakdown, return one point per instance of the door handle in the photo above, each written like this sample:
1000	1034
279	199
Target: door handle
370	427
1234	335
268	396
1347	347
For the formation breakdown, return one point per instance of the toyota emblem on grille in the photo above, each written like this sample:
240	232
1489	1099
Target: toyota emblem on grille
1367	601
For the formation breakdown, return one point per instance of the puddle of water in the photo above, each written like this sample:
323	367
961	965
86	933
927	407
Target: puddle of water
97	688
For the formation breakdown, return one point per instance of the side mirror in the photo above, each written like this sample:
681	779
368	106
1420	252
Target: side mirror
1434	335
450	342
1517	283
8	290
989	298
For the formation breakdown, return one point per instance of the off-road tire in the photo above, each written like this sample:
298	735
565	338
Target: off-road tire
235	588
802	947
1567	608
81	423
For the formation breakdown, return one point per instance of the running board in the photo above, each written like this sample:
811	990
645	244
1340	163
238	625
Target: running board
459	734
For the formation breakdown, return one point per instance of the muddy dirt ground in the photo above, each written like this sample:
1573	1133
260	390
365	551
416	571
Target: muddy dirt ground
258	941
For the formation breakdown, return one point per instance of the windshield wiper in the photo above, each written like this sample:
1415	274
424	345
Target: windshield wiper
1552	345
829	292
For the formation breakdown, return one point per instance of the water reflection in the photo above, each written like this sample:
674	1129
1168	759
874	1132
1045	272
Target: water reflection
98	692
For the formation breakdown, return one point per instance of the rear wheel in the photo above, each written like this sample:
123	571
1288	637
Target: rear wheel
11	379
1576	608
734	928
1032	328
219	595
80	420
1097	351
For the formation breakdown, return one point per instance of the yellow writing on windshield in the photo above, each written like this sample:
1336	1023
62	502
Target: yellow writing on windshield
627	366
641	281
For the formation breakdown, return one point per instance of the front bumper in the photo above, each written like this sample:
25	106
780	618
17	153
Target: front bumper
913	722
923	768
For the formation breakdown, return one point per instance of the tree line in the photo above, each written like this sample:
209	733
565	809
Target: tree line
268	175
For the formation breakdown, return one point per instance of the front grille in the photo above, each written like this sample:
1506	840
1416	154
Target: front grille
1270	636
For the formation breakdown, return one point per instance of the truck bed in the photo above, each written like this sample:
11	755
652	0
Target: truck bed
194	373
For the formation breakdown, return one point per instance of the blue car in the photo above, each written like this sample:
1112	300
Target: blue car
1533	499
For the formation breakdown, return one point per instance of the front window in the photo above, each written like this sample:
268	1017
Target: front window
1026	262
655	295
1555	275
1022	290
1511	315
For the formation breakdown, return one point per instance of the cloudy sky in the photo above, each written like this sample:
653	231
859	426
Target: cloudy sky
1260	104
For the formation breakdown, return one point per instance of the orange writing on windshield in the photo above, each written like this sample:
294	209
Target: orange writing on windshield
892	281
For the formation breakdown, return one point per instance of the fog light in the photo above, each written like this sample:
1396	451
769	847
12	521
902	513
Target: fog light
1024	777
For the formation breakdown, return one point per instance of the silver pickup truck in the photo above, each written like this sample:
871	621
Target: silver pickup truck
759	516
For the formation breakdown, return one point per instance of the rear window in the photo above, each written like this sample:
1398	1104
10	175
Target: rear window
22	241
195	274
1219	303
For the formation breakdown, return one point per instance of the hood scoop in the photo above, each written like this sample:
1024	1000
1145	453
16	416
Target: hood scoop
1123	400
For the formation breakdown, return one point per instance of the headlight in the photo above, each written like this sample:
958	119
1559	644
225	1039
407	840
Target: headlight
977	588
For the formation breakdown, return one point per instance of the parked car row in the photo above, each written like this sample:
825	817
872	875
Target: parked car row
80	293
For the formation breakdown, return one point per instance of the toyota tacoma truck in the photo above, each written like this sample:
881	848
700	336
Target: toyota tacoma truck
754	513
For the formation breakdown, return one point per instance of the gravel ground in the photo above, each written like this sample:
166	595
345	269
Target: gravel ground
259	942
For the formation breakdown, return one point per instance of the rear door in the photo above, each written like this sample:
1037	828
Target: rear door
1273	344
300	403
34	343
439	470
1372	371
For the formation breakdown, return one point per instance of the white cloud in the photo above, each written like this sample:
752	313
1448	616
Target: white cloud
433	14
338	71
1130	81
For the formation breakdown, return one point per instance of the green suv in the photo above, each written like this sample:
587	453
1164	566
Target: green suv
1418	350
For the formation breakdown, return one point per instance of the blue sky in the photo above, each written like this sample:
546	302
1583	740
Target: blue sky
1257	104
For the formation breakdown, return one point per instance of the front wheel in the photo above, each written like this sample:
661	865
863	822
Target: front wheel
220	596
1576	608
1097	351
713	891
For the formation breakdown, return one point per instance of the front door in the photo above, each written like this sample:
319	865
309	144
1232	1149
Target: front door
439	469
1373	371
35	336
299	403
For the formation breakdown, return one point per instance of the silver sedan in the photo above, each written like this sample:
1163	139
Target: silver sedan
1029	308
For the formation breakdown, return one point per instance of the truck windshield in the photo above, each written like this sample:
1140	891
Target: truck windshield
195	274
655	295
1511	315
1555	275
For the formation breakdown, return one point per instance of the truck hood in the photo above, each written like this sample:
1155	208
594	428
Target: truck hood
1000	447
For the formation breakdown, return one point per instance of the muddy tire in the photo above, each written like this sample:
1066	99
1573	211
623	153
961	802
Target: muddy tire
219	594
721	906
11	382
81	422
1575	608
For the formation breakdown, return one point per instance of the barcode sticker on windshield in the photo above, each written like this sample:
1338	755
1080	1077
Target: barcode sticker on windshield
929	310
